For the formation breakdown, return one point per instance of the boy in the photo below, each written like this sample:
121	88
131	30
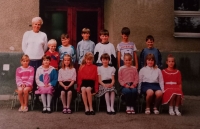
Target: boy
84	46
126	47
104	47
55	57
66	48
150	49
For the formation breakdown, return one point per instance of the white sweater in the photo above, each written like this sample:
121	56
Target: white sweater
34	44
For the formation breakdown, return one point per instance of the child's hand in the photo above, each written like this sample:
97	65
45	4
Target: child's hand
127	86
133	86
23	85
110	85
46	85
93	93
66	87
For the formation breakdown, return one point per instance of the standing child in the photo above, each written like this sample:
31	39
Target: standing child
66	78
106	79
46	78
88	82
151	83
150	50
126	47
66	48
24	81
173	86
128	79
55	57
104	47
84	46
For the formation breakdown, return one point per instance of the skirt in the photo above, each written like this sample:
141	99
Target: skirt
103	90
88	83
66	84
45	90
171	90
146	86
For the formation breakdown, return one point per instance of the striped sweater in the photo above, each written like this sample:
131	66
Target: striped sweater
24	76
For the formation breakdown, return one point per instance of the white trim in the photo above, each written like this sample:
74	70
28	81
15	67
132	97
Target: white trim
171	73
171	97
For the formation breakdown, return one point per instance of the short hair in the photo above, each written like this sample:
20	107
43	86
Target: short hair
88	56
36	19
126	31
46	57
63	36
104	32
85	30
105	56
151	57
52	41
128	55
149	37
171	56
24	57
71	63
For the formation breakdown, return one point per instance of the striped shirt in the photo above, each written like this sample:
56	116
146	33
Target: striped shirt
24	76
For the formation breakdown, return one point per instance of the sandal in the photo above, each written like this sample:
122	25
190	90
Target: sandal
155	110
25	109
69	111
128	111
64	111
147	111
133	111
20	109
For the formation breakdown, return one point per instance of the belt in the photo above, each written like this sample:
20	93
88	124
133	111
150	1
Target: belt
171	83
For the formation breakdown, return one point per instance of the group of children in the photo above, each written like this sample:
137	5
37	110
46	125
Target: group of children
96	74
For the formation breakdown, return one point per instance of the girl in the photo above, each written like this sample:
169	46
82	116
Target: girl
151	83
24	81
46	78
66	78
107	80
172	85
128	79
88	82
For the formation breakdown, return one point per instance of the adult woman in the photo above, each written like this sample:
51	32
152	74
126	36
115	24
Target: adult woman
34	44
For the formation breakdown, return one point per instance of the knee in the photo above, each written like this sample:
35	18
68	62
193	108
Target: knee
150	93
159	93
62	92
69	92
88	89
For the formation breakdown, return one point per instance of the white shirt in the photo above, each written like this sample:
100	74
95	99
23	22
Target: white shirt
34	44
106	72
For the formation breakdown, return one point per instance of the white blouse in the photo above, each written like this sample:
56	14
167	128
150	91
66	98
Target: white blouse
106	73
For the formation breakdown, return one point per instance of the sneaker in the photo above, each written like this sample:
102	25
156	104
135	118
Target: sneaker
171	112
178	113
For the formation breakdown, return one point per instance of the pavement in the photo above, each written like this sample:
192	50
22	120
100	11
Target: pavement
12	119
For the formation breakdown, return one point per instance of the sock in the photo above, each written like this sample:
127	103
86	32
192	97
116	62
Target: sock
107	101
176	109
49	97
132	108
112	101
170	108
128	108
44	101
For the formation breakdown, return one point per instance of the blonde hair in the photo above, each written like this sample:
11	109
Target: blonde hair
128	55
52	41
85	30
88	56
151	57
24	57
36	19
63	64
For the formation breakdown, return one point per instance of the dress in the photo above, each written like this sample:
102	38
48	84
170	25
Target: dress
172	80
106	77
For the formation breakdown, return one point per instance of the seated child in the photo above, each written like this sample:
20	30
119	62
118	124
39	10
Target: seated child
173	86
151	83
66	78
128	79
24	81
88	82
46	78
107	79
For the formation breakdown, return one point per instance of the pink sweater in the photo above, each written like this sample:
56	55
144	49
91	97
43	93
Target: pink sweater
24	76
128	74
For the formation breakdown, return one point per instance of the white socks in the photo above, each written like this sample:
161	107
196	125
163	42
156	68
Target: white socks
171	111
46	100
110	99
107	98
175	111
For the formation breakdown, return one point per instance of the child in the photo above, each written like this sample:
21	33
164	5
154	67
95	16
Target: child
46	78
150	49
151	83
107	80
24	81
55	57
66	48
104	47
66	78
173	86
88	82
84	46
128	79
126	47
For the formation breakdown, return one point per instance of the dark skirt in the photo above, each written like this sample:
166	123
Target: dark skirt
66	84
146	86
88	83
107	81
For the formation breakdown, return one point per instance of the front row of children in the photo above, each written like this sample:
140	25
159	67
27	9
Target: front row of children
155	84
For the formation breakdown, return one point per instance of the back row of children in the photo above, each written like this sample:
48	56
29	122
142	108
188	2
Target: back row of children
150	78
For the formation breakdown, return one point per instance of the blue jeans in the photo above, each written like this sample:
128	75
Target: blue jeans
130	95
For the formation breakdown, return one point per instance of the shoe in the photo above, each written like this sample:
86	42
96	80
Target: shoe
147	111
113	112
87	112
109	113
49	111
44	111
20	109
25	109
92	113
132	111
64	111
128	111
178	113
69	111
155	110
171	112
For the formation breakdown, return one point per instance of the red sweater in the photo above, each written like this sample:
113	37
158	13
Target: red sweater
88	72
55	58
